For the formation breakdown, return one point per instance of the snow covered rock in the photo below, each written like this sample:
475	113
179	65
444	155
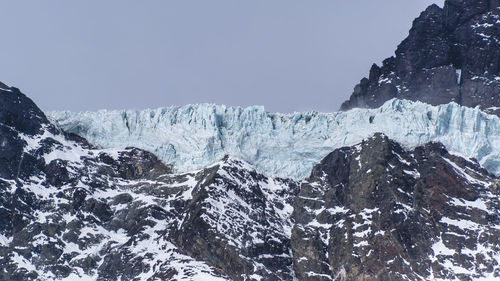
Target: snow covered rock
240	220
376	211
73	211
69	211
372	211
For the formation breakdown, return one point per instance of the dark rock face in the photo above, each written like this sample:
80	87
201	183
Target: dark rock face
239	220
19	118
18	111
450	55
378	212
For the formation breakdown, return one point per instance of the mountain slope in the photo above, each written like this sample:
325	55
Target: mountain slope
71	211
239	220
376	211
451	54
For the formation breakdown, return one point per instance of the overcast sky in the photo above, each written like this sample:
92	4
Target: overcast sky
287	55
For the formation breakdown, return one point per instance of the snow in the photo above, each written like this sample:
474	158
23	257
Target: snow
483	251
74	276
362	243
230	209
413	173
478	204
312	273
439	248
401	159
287	145
316	224
337	210
22	262
459	75
461	223
464	174
256	277
362	234
202	276
71	155
68	150
157	250
4	241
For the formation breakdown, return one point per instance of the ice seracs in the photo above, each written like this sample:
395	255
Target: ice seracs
287	145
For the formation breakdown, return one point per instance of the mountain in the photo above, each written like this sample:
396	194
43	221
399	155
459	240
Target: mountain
452	54
371	211
376	211
72	211
287	145
405	191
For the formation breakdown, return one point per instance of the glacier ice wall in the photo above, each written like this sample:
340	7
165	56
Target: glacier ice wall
286	145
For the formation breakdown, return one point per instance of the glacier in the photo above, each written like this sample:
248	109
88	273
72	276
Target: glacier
286	145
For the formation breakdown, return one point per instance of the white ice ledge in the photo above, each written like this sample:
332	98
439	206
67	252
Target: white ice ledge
287	145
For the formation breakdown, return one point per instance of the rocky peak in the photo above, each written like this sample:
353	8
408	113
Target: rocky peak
239	219
19	112
376	211
458	12
450	55
20	121
426	45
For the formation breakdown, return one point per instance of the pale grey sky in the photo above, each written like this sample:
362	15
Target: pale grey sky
288	55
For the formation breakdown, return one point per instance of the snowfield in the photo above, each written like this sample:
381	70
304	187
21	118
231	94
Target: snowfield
286	145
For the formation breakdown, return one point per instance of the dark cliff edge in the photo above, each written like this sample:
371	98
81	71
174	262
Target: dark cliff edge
451	54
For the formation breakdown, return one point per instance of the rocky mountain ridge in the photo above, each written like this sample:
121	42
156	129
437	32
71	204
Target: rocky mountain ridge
452	54
369	194
376	211
70	210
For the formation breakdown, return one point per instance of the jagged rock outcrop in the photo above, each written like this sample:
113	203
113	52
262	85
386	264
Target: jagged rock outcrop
376	211
239	220
452	54
72	211
20	119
